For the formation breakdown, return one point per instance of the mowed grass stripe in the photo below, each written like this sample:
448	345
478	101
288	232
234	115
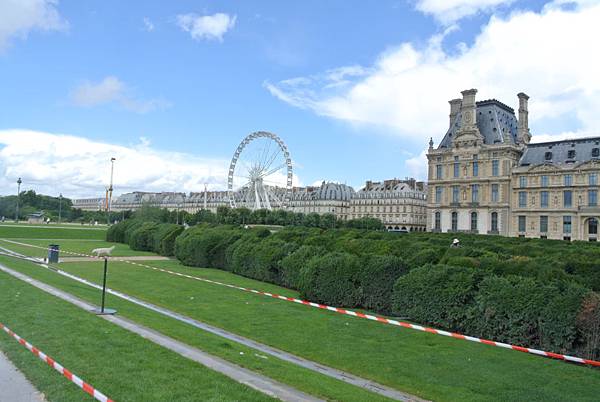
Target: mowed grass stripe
297	377
51	232
427	365
121	364
71	245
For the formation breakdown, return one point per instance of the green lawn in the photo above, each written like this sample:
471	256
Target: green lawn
24	230
120	364
76	246
427	365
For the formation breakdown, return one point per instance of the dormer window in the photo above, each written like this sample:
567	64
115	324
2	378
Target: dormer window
595	152
548	156
571	154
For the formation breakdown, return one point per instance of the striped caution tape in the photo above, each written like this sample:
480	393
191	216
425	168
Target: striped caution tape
338	310
55	365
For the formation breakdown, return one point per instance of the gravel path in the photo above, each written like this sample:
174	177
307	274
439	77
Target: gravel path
14	387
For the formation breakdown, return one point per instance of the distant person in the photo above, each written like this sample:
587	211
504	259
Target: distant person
455	243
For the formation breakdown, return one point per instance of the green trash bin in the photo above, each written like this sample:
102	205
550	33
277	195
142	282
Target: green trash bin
53	253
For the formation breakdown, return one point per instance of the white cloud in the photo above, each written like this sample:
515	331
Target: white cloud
148	24
211	27
407	88
449	11
113	90
417	166
79	167
19	17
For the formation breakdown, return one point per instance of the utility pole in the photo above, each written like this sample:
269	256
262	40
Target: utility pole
59	207
109	191
19	181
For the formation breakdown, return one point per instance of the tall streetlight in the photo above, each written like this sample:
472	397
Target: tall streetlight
109	191
19	181
59	207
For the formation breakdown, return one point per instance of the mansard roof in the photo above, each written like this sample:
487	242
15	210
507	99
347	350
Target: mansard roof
496	121
565	152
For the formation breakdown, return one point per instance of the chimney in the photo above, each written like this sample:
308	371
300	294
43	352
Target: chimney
523	134
468	109
454	109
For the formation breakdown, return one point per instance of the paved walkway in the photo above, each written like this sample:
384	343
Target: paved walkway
14	387
130	258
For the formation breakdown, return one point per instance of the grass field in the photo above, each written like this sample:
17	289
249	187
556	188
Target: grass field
124	366
424	364
76	246
26	231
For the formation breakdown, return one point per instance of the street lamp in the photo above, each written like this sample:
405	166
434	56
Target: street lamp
59	207
109	191
19	181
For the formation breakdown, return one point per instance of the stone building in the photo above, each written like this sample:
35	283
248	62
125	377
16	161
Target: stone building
555	191
328	198
486	177
400	204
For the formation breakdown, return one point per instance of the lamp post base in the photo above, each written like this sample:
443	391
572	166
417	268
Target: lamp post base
106	311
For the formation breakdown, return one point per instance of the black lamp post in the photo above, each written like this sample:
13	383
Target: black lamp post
19	181
59	207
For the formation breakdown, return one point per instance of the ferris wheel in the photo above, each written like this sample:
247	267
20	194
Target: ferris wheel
260	173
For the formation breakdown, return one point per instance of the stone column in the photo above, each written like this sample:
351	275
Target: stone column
523	128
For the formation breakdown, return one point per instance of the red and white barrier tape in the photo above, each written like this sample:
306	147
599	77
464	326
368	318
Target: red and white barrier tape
55	365
380	319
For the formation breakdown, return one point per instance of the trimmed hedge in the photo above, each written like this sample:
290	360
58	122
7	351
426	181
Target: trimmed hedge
531	292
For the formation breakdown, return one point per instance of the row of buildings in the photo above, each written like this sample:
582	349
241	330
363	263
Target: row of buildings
399	204
486	177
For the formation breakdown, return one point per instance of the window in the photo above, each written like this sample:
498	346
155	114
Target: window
595	152
454	221
522	181
571	154
455	193
474	221
593	179
456	166
494	221
544	181
522	223
495	167
438	221
592	226
438	194
544	199
494	193
475	193
592	198
567	224
543	224
475	166
567	238
548	156
522	199
567	198
568	180
438	171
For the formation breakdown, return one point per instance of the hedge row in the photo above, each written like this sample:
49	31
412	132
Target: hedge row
528	292
146	236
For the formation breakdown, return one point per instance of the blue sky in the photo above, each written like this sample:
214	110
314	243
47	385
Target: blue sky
355	88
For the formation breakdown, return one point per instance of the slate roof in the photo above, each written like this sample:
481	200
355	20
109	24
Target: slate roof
496	121
561	152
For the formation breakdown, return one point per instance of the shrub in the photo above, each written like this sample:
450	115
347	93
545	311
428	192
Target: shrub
438	295
292	264
333	278
377	277
142	237
164	238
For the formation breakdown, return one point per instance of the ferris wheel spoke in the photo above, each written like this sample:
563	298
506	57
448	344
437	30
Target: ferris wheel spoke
274	170
272	159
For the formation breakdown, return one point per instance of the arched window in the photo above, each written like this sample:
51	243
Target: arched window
593	226
438	221
474	221
454	221
494	221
